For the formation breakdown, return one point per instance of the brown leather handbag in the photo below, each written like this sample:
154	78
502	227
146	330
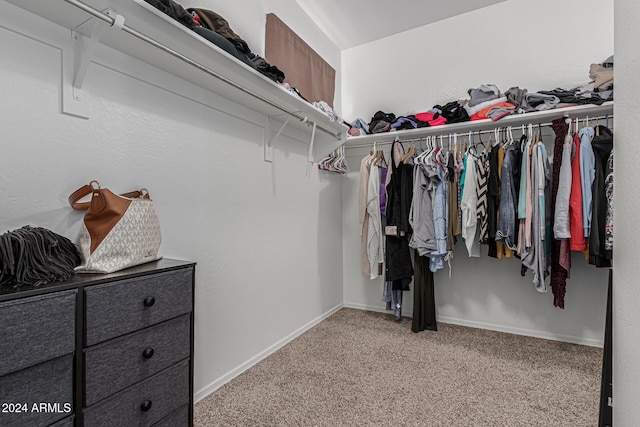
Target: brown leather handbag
119	231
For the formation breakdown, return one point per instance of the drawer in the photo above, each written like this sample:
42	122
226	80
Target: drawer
117	308
121	362
179	418
49	383
144	403
36	329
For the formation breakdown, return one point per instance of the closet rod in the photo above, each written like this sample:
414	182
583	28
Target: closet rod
109	20
444	133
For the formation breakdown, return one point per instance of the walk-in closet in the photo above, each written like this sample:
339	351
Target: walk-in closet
257	191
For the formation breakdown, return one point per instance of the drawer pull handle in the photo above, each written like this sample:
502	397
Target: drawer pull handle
149	301
147	353
146	405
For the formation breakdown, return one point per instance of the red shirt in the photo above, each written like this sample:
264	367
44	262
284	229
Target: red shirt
577	242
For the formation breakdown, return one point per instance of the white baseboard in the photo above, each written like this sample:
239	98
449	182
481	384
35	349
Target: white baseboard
204	392
493	327
522	331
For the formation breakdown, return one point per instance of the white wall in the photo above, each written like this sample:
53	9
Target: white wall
266	236
534	45
247	19
626	292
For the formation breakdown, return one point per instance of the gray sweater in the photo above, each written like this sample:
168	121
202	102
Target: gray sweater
561	225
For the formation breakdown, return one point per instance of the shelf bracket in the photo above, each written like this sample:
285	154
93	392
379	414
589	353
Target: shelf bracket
313	138
76	61
268	141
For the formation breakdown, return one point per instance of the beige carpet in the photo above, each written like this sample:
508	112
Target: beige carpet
360	368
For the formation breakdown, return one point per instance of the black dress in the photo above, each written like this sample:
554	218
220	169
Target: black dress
398	267
602	145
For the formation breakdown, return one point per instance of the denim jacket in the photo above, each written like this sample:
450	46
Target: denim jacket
509	187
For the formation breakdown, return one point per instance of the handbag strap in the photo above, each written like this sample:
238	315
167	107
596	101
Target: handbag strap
94	186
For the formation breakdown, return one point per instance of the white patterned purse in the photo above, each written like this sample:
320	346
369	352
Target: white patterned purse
119	231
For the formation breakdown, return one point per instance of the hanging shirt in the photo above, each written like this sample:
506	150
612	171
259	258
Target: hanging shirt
383	191
602	145
587	174
535	256
577	240
482	182
522	196
363	215
469	210
453	221
608	243
375	249
436	258
423	239
509	188
561	224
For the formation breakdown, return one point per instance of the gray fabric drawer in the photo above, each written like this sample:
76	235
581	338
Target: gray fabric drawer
36	329
49	383
166	391
117	308
179	418
118	363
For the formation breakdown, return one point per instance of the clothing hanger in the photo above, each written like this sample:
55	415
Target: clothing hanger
376	154
423	157
410	152
343	160
334	164
381	160
418	159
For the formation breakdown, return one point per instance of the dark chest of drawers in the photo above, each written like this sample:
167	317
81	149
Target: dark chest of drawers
100	350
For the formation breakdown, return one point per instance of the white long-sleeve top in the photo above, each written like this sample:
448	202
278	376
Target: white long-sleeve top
375	249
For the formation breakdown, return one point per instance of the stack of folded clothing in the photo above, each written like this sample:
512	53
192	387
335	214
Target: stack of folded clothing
597	91
453	112
381	122
487	102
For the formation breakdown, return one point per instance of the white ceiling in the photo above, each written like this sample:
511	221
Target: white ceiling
352	23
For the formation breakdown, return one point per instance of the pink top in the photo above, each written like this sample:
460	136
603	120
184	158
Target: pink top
428	117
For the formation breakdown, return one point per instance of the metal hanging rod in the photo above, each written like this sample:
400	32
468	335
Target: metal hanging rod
463	134
110	20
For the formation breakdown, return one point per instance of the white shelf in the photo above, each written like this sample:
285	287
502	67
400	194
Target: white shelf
192	58
579	111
